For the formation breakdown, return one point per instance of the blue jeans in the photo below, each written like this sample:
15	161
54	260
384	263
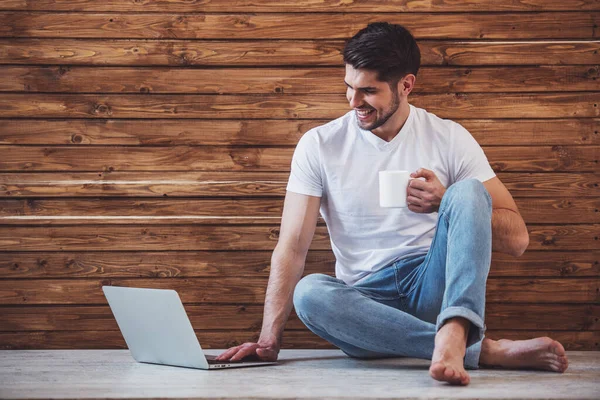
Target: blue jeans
398	310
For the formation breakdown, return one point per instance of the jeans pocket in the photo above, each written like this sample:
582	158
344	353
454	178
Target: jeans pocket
380	285
408	273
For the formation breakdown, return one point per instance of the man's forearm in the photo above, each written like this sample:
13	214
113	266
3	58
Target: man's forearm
509	233
286	271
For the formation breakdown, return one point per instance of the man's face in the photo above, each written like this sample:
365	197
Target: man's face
373	101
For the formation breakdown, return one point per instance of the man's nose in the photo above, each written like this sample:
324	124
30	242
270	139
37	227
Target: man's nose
355	99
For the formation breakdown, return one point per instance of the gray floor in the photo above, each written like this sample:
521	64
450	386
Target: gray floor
301	374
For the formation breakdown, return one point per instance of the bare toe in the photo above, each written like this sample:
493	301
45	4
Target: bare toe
444	373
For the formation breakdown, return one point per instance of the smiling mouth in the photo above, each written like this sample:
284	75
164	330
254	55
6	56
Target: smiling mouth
364	114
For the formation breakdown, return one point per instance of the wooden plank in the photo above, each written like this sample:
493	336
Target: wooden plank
120	52
156	185
225	184
148	237
568	210
304	339
231	264
249	317
246	6
164	132
540	25
144	159
275	159
454	106
548	159
252	291
228	237
549	185
326	80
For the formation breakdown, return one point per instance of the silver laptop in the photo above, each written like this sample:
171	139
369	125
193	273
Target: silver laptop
157	329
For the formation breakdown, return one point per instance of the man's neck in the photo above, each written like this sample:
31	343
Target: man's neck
392	127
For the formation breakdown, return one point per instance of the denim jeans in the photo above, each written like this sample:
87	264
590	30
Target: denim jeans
397	311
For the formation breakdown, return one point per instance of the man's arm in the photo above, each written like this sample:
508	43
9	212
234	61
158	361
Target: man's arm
298	223
300	213
509	233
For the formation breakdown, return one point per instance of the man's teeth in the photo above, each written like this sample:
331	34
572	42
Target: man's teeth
364	112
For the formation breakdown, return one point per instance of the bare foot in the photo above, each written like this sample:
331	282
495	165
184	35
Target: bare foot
447	363
539	353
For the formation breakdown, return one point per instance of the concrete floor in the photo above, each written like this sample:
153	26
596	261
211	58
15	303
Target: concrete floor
301	374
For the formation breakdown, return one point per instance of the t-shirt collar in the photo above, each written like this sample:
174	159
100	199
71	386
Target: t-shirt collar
382	144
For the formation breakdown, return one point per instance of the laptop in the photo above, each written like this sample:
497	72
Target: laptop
157	329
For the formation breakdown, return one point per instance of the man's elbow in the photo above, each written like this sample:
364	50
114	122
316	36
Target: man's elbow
521	244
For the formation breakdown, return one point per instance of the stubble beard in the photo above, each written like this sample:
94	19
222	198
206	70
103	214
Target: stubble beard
393	107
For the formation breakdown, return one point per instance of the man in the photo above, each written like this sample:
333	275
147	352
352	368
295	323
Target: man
409	282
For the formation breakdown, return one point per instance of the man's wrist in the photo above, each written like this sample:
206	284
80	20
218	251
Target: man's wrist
269	339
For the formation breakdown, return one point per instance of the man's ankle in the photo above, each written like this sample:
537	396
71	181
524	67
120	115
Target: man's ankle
488	355
457	325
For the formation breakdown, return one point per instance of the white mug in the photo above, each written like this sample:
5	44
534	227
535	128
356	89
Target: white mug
393	185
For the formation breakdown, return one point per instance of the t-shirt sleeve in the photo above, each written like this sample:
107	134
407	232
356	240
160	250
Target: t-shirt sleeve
305	175
468	161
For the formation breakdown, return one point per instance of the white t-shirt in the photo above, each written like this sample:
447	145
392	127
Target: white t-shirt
340	163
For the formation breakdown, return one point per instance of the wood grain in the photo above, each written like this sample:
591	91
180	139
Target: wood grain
229	237
541	25
252	291
231	264
300	6
166	52
169	132
325	80
147	143
226	184
568	210
275	159
325	106
249	317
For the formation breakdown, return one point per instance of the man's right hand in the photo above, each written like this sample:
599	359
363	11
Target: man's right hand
263	351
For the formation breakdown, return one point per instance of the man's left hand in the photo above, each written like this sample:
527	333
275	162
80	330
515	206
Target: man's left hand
424	196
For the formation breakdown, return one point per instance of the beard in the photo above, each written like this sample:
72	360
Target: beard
386	114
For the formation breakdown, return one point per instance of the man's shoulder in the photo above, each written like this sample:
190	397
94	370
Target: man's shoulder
442	125
333	129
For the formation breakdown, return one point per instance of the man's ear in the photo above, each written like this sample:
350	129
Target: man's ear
406	84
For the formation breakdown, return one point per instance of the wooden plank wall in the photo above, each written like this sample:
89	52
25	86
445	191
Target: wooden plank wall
147	143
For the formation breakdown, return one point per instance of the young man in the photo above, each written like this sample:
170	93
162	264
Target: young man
409	282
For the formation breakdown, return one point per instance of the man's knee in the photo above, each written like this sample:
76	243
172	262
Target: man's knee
308	292
468	192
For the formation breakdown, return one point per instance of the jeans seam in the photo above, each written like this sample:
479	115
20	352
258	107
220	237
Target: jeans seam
304	318
427	259
378	297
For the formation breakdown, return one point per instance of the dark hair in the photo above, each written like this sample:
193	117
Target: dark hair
388	49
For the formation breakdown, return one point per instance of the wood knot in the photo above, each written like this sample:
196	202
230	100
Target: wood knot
568	270
184	59
274	233
548	241
241	21
247	158
76	138
101	109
